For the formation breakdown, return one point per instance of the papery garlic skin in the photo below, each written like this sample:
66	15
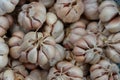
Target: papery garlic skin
54	27
32	16
65	71
37	48
74	33
86	49
7	6
113	47
91	9
69	10
108	9
5	23
104	70
4	50
114	25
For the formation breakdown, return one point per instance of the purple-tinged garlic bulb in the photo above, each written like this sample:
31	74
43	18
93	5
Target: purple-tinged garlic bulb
73	34
54	27
86	49
32	16
108	10
104	70
65	71
91	9
69	10
7	6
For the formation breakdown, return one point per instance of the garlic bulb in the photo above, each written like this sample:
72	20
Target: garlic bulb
7	6
5	23
91	9
114	25
9	74
104	70
54	27
14	43
69	10
86	49
32	16
37	48
65	71
108	9
59	55
37	75
4	50
113	47
74	33
47	3
18	67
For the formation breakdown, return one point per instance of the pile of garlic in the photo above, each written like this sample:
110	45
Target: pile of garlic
59	40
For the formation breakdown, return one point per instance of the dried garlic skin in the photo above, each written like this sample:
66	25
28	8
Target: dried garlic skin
91	9
5	22
87	50
7	6
113	47
74	33
65	71
108	10
69	11
32	16
37	48
54	27
37	75
104	70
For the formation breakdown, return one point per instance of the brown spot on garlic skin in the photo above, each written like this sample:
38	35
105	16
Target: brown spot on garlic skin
91	9
66	71
104	70
32	16
7	6
70	13
108	10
